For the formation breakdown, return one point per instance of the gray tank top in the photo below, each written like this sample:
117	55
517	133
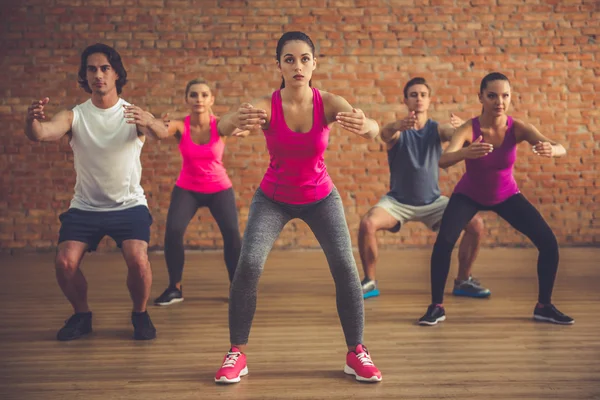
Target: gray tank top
414	169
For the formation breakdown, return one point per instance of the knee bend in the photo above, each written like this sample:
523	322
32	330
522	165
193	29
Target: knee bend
174	233
65	263
249	268
367	226
232	237
138	262
444	244
475	227
548	244
343	270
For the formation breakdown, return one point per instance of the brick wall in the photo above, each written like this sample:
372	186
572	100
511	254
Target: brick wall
367	50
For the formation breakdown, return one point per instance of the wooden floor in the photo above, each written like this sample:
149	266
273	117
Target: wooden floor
486	349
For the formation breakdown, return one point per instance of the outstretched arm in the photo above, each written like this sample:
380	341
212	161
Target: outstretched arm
337	109
249	117
174	126
390	133
542	146
456	152
447	130
39	131
145	122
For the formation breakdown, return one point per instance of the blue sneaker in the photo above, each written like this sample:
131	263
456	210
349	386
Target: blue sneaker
369	288
470	288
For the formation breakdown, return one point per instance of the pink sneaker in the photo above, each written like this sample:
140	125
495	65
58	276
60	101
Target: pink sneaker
359	364
233	368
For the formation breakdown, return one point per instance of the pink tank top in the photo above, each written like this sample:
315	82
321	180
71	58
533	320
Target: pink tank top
202	170
297	173
489	180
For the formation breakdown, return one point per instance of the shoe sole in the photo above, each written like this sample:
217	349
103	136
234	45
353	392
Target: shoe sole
546	319
172	301
470	294
350	371
224	379
138	337
73	338
440	319
371	293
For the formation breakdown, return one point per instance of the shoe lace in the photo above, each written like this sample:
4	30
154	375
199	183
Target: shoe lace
231	359
475	280
169	291
431	309
365	359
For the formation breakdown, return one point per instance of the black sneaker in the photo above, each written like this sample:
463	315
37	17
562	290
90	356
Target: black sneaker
169	296
143	329
435	313
549	313
75	327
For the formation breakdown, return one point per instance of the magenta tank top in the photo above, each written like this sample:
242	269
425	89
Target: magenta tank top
202	170
297	173
489	180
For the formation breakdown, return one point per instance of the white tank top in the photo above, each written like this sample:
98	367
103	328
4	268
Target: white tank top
107	159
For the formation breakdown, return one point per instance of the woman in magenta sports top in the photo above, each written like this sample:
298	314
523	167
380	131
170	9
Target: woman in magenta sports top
202	182
488	184
296	120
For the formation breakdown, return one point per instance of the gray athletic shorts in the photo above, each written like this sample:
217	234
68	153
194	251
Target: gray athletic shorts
430	215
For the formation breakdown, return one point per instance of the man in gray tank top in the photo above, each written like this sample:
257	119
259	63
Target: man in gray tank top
106	134
414	149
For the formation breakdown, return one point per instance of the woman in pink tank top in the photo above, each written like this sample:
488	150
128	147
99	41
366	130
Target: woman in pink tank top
296	121
489	185
202	182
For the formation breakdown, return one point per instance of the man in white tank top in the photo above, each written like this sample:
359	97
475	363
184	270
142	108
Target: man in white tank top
106	134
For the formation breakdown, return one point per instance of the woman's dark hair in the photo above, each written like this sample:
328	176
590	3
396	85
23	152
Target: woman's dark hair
415	81
113	58
291	36
494	76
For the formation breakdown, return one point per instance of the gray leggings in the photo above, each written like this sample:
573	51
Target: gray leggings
266	220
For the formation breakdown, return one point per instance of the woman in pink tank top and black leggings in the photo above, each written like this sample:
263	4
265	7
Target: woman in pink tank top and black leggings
202	182
488	184
296	120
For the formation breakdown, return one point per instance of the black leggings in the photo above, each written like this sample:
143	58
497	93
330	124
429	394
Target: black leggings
183	207
519	213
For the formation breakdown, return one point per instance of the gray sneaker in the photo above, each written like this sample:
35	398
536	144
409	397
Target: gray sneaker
470	288
369	288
